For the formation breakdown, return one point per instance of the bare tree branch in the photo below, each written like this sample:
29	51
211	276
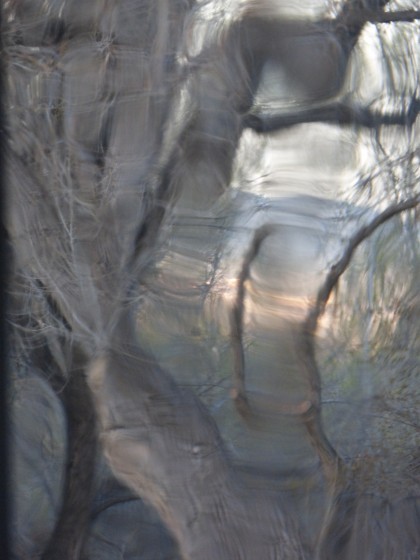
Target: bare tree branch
306	342
373	16
337	113
250	411
236	321
341	265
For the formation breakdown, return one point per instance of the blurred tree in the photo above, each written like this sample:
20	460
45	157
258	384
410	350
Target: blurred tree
123	116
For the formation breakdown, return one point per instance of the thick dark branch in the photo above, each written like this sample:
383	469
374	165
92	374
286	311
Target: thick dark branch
389	17
73	524
336	113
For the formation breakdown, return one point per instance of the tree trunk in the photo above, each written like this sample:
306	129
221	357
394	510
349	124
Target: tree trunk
161	441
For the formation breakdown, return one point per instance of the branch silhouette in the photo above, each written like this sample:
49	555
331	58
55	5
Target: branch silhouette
329	457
